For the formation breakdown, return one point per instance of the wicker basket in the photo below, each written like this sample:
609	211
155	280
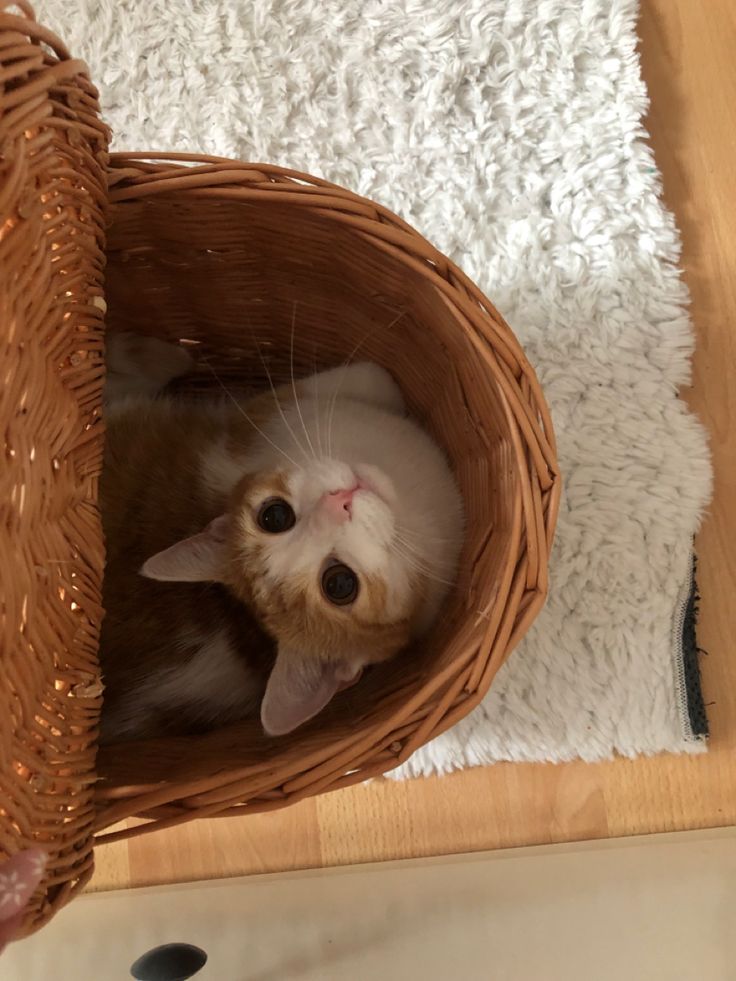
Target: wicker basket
222	255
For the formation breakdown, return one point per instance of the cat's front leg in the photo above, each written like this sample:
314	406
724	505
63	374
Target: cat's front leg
363	381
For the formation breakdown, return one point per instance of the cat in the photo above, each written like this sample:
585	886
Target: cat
261	553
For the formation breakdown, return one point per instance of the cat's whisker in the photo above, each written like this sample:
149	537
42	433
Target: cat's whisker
245	415
276	399
417	558
418	566
317	413
408	537
331	412
293	382
422	566
425	574
422	570
346	364
411	547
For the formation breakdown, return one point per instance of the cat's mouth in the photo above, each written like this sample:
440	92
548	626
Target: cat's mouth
367	485
371	479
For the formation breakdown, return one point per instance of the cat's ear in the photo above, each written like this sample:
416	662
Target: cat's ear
298	689
200	558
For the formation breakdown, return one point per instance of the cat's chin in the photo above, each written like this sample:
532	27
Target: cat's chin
349	682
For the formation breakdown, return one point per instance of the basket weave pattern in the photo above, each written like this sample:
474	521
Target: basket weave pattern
53	154
226	257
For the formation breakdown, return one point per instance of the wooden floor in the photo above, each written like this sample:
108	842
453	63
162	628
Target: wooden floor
687	52
554	912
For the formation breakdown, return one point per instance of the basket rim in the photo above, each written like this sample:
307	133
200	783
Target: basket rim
138	175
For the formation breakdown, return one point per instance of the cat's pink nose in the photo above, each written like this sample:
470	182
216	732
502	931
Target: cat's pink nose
340	503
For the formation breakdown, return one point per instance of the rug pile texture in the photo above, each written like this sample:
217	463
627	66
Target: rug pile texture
510	133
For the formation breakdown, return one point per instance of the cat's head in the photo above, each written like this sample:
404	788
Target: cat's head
331	560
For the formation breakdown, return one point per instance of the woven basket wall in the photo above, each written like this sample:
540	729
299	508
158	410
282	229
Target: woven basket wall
53	155
223	256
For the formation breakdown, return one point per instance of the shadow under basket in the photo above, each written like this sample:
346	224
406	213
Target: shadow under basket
245	264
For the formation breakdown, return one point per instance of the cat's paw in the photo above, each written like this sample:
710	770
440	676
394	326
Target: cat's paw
146	357
369	382
141	366
364	381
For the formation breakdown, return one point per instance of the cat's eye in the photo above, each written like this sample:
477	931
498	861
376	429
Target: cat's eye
339	584
275	516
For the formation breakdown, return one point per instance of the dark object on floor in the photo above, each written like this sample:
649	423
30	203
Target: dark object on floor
169	962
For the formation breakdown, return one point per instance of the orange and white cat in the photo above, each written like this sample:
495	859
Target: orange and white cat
261	554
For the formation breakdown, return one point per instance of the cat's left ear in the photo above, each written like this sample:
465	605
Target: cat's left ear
298	689
199	558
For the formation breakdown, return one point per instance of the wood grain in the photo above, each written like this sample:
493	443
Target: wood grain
687	57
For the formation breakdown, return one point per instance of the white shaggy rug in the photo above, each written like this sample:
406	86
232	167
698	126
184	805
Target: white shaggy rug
509	132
